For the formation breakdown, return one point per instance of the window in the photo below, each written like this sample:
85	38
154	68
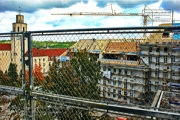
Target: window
109	81
174	51
119	71
157	59
44	64
119	82
165	34
125	72
18	28
165	59
125	83
131	84
125	94
165	75
156	73
150	49
156	85
165	49
150	59
131	95
104	91
173	58
157	49
114	70
104	82
149	86
104	68
164	84
114	92
43	59
119	93
131	72
173	74
114	82
109	90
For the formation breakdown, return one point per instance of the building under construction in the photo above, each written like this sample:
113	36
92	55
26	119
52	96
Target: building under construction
133	70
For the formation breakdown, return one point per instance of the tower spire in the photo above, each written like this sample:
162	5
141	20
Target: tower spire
19	10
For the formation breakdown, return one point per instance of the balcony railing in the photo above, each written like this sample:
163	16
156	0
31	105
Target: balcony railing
119	62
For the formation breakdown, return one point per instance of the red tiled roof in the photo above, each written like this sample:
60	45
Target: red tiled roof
122	47
47	52
5	46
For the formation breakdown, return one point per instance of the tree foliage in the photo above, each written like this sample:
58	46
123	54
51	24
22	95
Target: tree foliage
38	75
12	73
37	72
4	79
10	77
77	78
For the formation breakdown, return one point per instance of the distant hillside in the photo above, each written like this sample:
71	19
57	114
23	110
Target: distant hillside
5	41
47	44
51	44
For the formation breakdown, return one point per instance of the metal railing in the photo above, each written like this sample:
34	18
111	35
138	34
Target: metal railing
59	74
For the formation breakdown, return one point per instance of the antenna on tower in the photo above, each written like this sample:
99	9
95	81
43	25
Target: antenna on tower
19	10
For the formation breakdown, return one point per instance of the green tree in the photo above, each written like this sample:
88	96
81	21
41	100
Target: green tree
4	79
12	73
77	78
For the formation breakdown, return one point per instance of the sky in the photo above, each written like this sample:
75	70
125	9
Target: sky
37	13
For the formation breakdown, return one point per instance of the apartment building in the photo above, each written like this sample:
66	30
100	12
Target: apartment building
132	72
163	61
124	76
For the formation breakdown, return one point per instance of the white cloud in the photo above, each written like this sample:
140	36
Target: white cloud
43	20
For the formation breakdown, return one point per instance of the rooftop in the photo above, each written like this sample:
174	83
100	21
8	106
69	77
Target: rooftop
5	47
47	52
122	47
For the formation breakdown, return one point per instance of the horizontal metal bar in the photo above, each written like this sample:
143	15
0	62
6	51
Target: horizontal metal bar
123	32
11	33
96	104
11	90
112	28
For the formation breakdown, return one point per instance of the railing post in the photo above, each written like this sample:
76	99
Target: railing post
30	86
23	71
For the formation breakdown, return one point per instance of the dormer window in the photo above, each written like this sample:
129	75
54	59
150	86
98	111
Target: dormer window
165	49
157	49
165	33
150	49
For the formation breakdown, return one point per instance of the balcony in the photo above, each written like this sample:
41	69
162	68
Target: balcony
119	62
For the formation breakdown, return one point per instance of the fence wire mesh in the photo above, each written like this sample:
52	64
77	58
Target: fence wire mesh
98	73
11	60
12	107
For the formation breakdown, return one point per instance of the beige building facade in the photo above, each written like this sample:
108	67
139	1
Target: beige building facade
11	53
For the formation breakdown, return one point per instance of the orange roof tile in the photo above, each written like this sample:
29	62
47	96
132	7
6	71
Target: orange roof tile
122	47
47	52
5	47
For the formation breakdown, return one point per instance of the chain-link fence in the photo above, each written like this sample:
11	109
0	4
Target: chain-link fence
104	73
